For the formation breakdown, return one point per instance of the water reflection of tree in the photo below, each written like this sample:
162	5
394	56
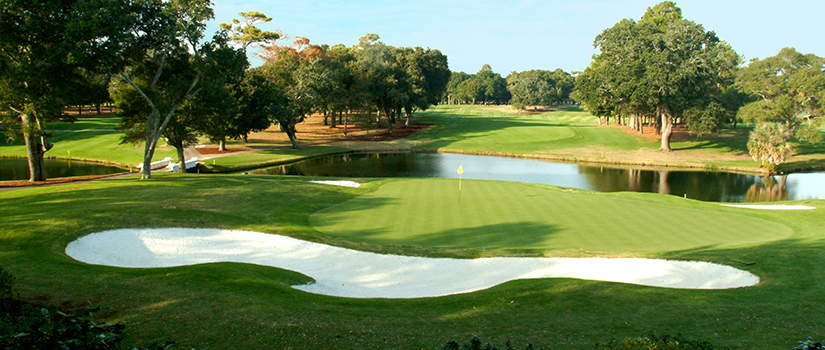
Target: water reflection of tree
359	165
770	190
705	186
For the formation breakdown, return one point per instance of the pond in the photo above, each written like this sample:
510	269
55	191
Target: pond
701	185
18	169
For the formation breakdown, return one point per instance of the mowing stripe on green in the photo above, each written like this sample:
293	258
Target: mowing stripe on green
494	214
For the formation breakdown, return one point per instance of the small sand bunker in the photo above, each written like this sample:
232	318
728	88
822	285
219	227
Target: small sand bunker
354	274
771	206
338	183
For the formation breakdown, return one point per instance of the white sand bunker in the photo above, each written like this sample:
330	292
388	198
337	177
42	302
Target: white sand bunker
771	206
337	183
349	273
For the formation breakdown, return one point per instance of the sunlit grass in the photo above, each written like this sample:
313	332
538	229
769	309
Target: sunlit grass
232	306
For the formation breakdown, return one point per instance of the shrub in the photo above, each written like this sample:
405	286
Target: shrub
6	291
475	344
809	344
652	341
23	326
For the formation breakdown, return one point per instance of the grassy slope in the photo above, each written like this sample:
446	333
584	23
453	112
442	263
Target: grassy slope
238	162
91	138
223	306
573	135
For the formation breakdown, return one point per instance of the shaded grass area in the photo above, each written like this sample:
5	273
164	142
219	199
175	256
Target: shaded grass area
234	306
505	215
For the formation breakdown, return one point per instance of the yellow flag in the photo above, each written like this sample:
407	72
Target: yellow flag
460	170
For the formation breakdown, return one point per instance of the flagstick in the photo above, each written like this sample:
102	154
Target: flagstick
460	171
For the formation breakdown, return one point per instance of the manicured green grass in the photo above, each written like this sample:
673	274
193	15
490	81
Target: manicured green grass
492	129
245	160
237	306
523	217
89	138
573	134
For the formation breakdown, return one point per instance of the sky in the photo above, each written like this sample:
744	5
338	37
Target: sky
528	34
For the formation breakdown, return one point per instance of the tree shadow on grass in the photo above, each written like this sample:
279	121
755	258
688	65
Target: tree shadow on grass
467	127
526	236
733	141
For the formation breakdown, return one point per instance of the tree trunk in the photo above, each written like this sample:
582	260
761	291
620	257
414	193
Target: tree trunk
151	140
291	133
667	127
147	166
346	122
222	145
34	150
181	159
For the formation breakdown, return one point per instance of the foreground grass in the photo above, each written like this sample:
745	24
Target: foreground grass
237	306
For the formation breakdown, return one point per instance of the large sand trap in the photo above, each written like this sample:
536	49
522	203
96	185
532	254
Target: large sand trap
337	183
349	273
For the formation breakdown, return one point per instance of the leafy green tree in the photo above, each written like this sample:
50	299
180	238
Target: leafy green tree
494	87
539	87
470	90
789	88
180	131
92	90
427	75
47	46
662	65
299	84
223	100
168	74
456	78
384	78
246	33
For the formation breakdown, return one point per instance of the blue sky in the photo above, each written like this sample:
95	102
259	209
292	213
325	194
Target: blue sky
528	34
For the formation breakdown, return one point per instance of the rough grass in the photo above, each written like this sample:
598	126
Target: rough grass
238	306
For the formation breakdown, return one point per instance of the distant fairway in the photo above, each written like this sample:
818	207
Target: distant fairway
505	215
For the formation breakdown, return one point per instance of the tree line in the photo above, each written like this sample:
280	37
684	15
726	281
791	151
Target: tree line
171	84
519	89
665	69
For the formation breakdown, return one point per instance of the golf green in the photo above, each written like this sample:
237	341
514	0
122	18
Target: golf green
508	215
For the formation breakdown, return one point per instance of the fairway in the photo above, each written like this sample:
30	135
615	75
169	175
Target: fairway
504	215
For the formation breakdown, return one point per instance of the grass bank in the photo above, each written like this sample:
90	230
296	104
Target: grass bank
574	135
237	306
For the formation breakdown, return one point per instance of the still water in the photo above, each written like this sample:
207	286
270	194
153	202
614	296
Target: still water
18	169
701	185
